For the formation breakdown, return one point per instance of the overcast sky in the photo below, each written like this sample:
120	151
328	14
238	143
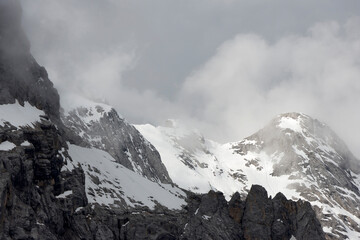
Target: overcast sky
226	67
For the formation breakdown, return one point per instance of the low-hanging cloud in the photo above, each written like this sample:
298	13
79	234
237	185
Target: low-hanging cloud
137	54
87	47
249	80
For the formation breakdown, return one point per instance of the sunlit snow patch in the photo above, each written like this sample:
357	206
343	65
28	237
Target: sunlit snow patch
109	183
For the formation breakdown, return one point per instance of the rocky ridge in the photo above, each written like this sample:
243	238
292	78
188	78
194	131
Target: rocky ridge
207	216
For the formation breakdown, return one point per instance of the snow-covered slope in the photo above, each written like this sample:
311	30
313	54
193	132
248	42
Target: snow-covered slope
101	127
191	160
294	154
18	115
111	184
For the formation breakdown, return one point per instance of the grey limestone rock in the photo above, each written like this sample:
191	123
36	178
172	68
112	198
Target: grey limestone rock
109	132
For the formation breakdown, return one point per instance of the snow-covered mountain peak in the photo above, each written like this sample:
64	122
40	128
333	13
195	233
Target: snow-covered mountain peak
292	121
302	138
315	161
293	154
87	109
100	126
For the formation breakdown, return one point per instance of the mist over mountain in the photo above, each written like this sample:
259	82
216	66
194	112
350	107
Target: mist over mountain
230	63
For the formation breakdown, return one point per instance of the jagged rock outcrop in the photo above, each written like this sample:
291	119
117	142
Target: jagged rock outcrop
31	183
207	216
256	217
100	126
277	218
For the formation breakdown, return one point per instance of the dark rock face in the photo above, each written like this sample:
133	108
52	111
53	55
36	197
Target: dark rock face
206	216
31	181
278	218
21	77
30	174
109	132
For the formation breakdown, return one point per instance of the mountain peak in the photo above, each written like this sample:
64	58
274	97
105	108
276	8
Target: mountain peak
296	122
100	126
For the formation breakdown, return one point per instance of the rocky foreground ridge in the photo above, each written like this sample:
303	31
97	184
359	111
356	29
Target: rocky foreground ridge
47	191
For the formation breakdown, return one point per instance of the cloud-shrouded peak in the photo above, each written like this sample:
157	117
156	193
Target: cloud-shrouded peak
251	79
216	65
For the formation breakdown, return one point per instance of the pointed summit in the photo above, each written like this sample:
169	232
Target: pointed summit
316	163
304	141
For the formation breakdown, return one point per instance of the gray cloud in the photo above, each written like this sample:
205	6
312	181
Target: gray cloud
161	59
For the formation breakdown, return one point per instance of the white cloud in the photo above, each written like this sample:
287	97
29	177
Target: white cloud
250	80
90	46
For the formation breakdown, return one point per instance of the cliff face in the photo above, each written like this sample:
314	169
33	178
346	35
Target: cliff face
21	77
32	148
31	183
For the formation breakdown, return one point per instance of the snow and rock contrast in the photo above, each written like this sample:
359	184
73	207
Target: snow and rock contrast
110	184
187	153
22	78
97	177
317	164
101	127
294	154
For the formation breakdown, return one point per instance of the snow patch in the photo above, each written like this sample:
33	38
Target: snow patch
108	183
206	217
18	115
7	146
78	209
65	194
290	123
25	144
